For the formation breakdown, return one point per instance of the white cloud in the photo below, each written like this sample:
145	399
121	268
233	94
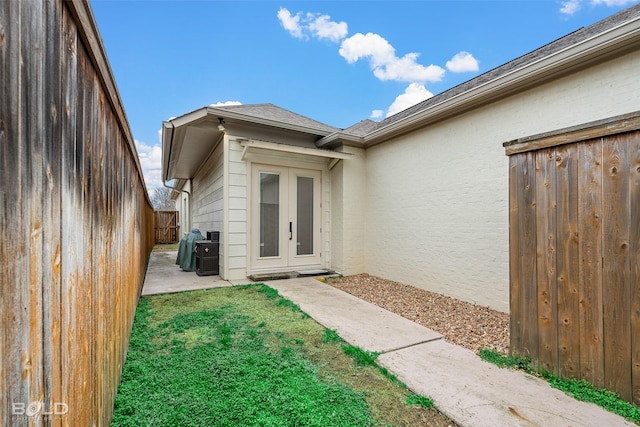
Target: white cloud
412	95
376	114
316	25
151	162
612	2
462	62
290	23
322	28
570	7
222	104
384	62
373	46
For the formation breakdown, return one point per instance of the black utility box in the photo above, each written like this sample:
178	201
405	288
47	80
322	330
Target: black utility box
207	254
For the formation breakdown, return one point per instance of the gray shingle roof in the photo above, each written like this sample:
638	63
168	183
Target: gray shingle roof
362	128
275	113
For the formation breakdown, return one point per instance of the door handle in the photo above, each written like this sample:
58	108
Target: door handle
290	230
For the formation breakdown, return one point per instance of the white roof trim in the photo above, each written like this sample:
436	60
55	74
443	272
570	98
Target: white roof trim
248	145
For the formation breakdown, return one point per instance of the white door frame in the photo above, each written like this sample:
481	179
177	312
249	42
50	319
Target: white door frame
287	258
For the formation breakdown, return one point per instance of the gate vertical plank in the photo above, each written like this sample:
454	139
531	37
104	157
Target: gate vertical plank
547	296
567	258
634	260
527	237
528	261
516	325
616	287
590	261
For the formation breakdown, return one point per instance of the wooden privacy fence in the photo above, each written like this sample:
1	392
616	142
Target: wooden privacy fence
167	228
76	221
575	253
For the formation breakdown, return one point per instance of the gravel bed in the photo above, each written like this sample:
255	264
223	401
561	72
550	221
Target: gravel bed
460	322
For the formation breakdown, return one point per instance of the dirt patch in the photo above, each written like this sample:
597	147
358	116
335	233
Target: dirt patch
469	325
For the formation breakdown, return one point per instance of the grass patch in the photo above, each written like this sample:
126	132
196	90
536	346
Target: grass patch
273	294
392	377
361	357
417	400
502	361
240	356
331	336
166	247
579	389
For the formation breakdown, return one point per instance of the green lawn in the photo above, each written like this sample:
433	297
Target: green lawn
245	356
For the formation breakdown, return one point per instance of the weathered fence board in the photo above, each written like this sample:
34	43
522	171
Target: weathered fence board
615	268
590	261
567	258
634	260
77	224
575	259
545	207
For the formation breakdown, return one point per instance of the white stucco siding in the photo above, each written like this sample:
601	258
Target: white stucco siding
336	217
437	214
437	199
348	196
325	201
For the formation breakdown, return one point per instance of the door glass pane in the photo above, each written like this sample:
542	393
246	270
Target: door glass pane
269	214
304	229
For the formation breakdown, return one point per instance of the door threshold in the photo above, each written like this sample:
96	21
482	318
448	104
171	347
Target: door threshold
261	277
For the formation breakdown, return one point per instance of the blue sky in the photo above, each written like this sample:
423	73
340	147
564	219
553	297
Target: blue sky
338	62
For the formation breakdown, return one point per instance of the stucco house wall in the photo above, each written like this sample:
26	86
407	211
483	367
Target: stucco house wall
348	213
437	199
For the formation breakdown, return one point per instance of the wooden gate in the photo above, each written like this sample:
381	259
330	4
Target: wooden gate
575	253
167	228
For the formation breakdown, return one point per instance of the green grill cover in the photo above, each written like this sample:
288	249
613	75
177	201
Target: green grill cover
187	251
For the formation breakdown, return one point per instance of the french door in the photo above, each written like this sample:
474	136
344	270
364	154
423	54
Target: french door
286	217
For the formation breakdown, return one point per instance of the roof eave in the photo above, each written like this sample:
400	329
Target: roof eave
167	143
618	39
340	138
234	115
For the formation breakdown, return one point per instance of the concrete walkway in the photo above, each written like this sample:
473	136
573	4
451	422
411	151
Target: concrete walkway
468	390
165	276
